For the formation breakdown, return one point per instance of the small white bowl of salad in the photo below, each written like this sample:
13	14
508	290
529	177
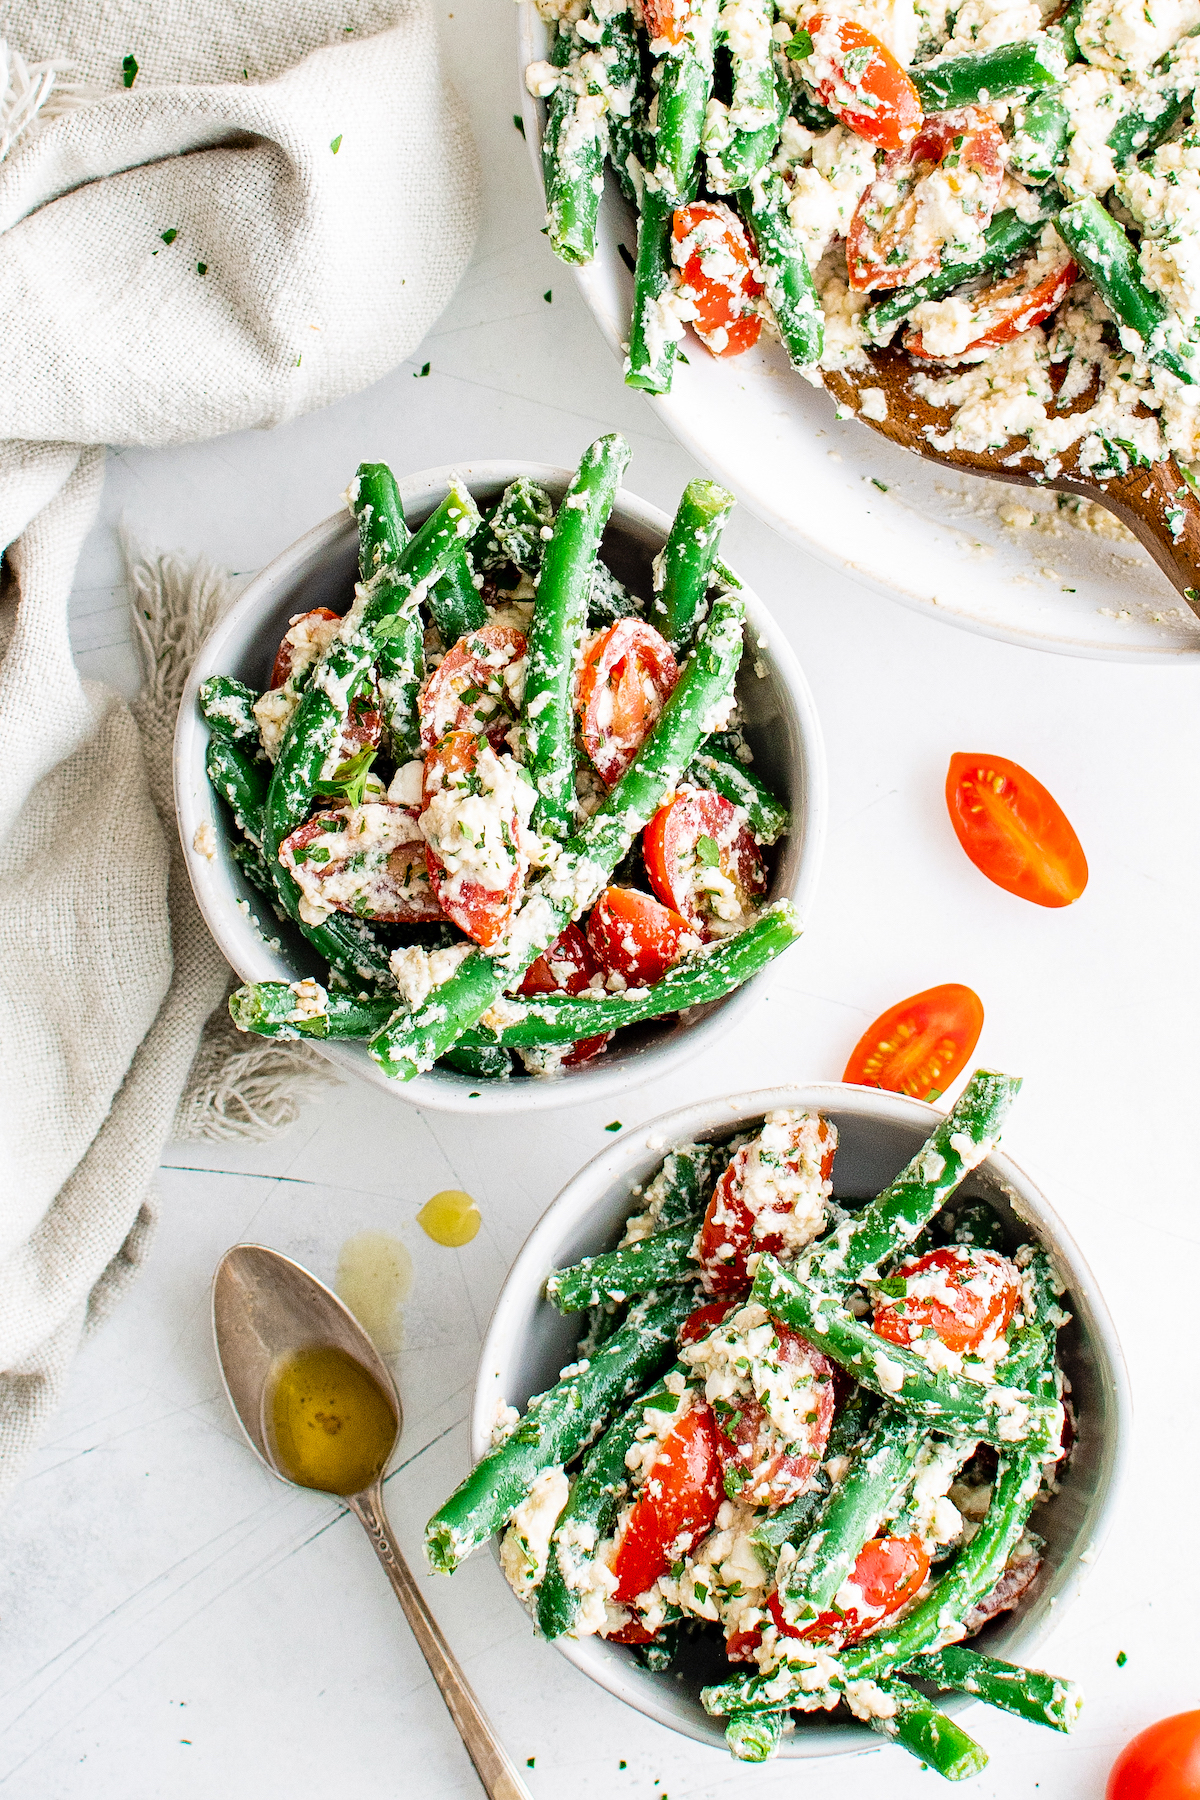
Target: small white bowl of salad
798	1422
499	786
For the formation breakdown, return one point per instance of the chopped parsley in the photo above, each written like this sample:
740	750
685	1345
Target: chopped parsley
548	295
129	69
800	47
336	144
202	268
1122	1659
519	122
349	779
168	237
708	852
423	370
615	1126
881	485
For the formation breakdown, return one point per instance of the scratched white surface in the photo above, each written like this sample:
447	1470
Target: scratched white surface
174	1621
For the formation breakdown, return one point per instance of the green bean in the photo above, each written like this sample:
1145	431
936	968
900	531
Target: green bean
717	765
555	1426
484	1063
295	1009
687	76
1029	1693
927	1733
249	859
556	633
1005	239
960	1141
228	706
241	783
653	332
998	1415
417	1037
791	1524
1042	128
683	568
974	1222
524	513
614	1275
680	1191
1142	129
610	599
573	150
1099	244
313	734
374	499
786	275
983	75
1064	29
744	140
455	603
754	1736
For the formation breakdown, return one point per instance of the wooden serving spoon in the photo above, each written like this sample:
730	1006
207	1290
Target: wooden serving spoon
1141	499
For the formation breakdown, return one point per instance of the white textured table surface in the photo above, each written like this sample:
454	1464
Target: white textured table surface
177	1623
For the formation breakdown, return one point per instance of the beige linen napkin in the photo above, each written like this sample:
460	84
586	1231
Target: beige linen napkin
270	217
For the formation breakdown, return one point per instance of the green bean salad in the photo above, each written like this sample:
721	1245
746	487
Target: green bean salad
797	1456
506	798
1008	190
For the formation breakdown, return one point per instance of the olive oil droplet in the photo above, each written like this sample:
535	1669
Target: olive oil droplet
451	1217
330	1424
374	1277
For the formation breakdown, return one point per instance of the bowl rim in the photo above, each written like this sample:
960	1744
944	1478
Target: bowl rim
251	957
657	1136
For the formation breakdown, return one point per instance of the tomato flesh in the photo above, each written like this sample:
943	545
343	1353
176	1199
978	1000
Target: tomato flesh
953	166
718	272
972	1295
702	860
1160	1763
728	1235
627	677
666	20
887	1573
482	912
706	1318
302	642
1012	306
633	936
566	968
859	79
676	1506
1014	830
758	1464
920	1045
476	687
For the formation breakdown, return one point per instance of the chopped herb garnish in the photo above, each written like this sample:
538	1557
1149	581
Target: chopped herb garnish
530	1761
881	485
680	357
519	122
615	1126
423	370
168	237
548	295
336	144
708	852
129	69
800	47
349	779
1122	1659
893	1287
202	268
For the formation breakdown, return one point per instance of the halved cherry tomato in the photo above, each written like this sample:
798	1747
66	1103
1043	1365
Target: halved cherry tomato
483	913
1160	1763
476	687
1015	304
666	19
719	274
389	881
741	1645
727	1236
907	216
860	80
636	938
567	968
920	1045
1014	831
632	1633
961	1293
888	1572
702	859
627	676
675	1506
363	729
766	1470
697	1325
306	637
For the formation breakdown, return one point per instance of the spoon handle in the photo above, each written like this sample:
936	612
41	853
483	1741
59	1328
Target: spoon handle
492	1762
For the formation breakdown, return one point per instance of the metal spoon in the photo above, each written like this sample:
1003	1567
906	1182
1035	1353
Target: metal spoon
266	1307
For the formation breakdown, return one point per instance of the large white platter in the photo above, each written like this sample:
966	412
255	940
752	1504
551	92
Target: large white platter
930	537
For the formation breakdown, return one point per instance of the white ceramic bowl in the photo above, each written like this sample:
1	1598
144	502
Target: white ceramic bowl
780	724
527	1343
932	538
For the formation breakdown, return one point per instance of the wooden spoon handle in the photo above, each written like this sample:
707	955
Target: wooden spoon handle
1163	513
493	1764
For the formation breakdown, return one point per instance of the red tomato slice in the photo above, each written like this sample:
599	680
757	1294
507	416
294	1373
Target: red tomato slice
694	848
727	1235
675	1507
1016	304
1014	831
483	913
741	1645
633	1633
719	274
860	80
476	687
567	968
887	1574
920	1045
903	221
389	880
634	937
627	677
764	1470
984	1290
1160	1763
666	20
306	637
697	1325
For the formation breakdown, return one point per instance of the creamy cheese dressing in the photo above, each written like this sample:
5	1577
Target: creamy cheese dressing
477	823
525	1547
743	1360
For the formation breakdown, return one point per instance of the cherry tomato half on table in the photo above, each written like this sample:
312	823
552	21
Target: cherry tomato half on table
1160	1763
1014	830
627	676
718	272
920	1045
860	80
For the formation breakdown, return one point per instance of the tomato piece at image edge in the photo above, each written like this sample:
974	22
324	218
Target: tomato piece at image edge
1160	1763
634	936
1014	830
718	272
920	1045
628	675
858	78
